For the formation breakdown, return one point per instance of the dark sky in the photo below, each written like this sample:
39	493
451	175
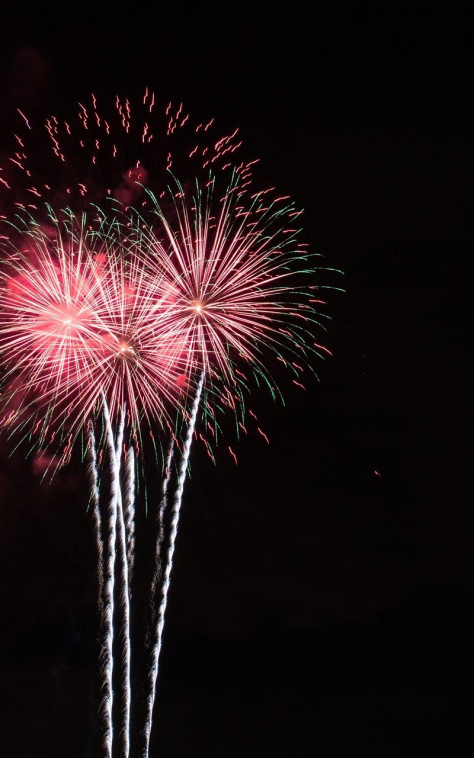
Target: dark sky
322	600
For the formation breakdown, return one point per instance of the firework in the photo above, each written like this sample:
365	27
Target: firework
241	286
235	275
78	320
153	304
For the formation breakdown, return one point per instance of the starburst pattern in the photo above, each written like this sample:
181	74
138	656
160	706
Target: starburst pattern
241	288
78	319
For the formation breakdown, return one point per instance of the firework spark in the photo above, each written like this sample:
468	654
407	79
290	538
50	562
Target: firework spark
112	149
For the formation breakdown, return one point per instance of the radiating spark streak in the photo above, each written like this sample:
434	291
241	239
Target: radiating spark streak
24	118
321	347
232	454
298	384
169	560
265	437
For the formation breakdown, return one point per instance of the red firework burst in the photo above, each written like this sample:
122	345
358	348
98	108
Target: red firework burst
237	276
78	318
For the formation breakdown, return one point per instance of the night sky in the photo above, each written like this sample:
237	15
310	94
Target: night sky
322	598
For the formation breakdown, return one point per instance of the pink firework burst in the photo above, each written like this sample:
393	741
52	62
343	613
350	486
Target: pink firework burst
240	286
78	319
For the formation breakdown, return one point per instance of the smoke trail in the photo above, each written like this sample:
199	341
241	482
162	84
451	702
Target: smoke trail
124	597
169	563
119	440
160	531
107	659
124	600
129	511
94	480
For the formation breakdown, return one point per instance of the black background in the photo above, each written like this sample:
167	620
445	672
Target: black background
322	595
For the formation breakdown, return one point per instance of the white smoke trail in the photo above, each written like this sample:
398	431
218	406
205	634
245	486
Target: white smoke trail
129	511
124	600
117	539
119	440
160	530
124	597
169	563
107	660
151	638
94	480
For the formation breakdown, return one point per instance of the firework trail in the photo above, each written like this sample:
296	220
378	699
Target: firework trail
94	484
123	578
152	631
124	594
160	528
107	658
168	565
129	510
124	600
